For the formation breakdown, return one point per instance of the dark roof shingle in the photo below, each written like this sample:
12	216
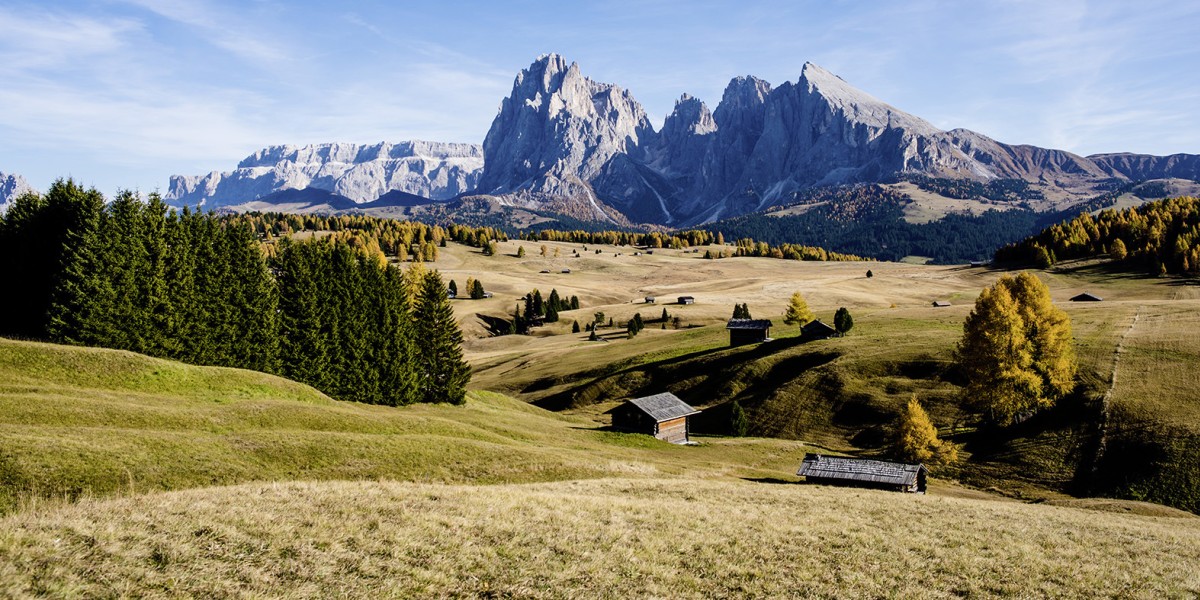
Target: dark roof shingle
664	406
858	469
749	324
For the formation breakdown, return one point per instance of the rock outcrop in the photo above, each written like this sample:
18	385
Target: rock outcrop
11	187
362	173
554	139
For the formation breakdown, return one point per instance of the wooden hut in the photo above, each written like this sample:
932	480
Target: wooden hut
1086	297
687	300
748	331
649	299
663	416
858	472
817	330
940	304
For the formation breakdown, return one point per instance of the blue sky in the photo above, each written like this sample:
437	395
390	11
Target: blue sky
123	94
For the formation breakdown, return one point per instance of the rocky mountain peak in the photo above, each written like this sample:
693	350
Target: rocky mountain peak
11	187
742	94
858	105
556	132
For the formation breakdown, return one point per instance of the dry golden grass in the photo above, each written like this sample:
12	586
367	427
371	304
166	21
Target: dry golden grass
617	538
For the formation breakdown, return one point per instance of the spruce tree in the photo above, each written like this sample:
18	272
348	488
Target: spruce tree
453	289
306	348
477	291
739	424
42	236
575	327
842	321
443	373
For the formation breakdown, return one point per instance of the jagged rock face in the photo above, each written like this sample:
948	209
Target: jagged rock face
555	133
361	173
11	187
566	144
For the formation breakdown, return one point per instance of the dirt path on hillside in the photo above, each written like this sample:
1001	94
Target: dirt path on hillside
1112	385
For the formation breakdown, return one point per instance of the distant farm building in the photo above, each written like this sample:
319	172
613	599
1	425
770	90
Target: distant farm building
649	299
1086	297
663	416
817	330
748	331
857	472
566	270
940	304
687	300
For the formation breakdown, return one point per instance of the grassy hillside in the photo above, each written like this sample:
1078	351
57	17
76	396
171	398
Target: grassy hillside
89	422
257	503
844	393
599	538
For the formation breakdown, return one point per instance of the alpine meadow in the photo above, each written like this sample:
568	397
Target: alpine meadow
787	340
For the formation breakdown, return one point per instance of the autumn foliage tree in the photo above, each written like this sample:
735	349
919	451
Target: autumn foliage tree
798	312
1017	350
916	438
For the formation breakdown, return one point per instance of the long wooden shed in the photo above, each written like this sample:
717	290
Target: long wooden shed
858	472
663	416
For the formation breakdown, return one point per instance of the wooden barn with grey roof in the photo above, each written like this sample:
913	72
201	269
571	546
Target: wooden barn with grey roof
748	331
663	416
858	472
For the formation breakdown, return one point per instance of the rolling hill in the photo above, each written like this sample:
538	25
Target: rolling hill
279	490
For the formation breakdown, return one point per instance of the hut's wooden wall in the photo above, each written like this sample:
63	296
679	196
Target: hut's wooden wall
674	431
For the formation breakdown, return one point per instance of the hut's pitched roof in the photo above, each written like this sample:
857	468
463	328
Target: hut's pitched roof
817	327
749	324
1086	297
857	469
941	303
663	407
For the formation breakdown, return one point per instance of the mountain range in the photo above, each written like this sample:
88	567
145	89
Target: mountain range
567	145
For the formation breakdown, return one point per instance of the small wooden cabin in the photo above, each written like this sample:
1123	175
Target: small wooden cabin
1086	297
687	300
748	331
663	416
649	299
858	472
817	330
940	304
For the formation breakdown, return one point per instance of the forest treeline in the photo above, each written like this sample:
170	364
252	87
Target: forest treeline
868	220
1158	237
406	240
205	290
691	238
